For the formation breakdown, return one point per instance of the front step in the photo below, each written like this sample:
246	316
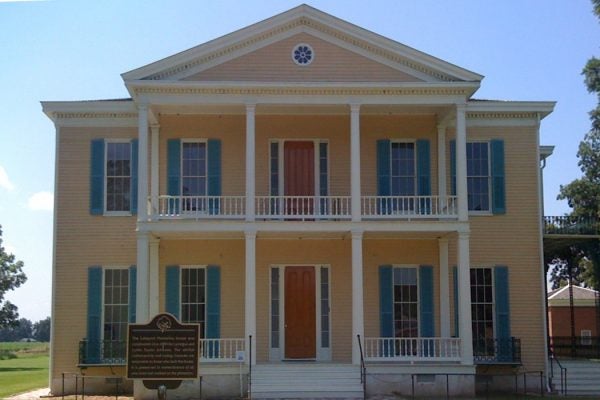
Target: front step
306	380
582	377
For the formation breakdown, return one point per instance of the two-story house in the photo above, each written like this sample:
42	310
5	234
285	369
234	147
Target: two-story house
308	192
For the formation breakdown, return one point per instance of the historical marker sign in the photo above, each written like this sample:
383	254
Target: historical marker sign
164	349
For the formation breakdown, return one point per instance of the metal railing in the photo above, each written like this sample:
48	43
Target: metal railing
220	350
571	225
390	207
303	207
563	374
363	368
201	207
497	351
575	347
102	352
412	349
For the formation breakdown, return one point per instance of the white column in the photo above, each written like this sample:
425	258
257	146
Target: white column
441	140
153	278
357	295
461	162
250	162
154	168
355	161
141	301
464	299
250	299
444	288
142	162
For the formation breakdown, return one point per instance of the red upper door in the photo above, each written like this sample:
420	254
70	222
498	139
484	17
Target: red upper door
299	176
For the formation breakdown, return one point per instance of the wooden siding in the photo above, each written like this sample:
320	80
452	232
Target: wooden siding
273	63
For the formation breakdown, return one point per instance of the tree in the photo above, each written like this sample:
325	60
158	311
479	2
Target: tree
583	194
41	330
11	277
22	329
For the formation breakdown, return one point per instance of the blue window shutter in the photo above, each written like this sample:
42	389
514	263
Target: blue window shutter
453	167
214	167
134	176
386	301
213	302
455	283
426	300
498	184
383	168
274	169
172	290
502	300
132	292
173	167
97	177
423	168
94	315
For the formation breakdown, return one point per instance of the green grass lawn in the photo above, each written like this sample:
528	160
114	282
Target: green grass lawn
28	371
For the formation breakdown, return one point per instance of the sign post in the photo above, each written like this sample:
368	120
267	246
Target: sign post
163	352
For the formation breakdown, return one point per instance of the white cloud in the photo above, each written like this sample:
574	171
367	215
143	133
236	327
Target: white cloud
41	201
4	181
9	248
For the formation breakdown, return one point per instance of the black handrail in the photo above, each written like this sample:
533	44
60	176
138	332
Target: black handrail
563	375
363	369
250	367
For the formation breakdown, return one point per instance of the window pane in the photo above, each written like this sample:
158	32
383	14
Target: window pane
482	308
116	309
478	176
403	169
405	302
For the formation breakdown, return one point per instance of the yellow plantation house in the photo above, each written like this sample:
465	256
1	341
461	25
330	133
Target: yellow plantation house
312	194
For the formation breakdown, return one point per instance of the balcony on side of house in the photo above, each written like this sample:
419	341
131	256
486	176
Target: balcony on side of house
305	207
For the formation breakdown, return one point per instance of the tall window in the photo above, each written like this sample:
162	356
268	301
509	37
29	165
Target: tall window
406	303
193	297
482	311
194	175
118	176
478	176
115	312
403	171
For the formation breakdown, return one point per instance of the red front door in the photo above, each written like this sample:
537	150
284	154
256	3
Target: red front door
300	314
299	176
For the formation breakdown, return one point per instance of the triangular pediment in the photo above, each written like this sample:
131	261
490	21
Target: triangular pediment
263	53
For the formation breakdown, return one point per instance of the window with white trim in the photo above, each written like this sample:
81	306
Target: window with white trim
193	297
586	337
478	176
482	310
194	181
118	176
406	303
403	169
115	310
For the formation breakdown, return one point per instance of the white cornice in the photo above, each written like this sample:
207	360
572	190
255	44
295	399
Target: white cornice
91	113
478	109
307	17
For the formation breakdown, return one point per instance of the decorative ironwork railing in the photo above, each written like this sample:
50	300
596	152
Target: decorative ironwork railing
570	225
492	351
391	207
412	349
303	207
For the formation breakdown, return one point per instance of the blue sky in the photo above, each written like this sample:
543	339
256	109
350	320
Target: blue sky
76	50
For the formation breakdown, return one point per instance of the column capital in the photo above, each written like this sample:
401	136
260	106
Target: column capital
443	240
441	127
143	107
357	233
463	235
250	233
250	107
355	107
153	241
154	127
143	235
461	107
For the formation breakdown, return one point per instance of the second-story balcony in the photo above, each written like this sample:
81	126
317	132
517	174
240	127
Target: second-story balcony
306	208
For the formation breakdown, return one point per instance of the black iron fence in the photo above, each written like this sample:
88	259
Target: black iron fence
102	352
569	225
497	351
575	347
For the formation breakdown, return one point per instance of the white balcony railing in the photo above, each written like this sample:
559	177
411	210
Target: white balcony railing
412	349
410	207
220	350
303	207
202	207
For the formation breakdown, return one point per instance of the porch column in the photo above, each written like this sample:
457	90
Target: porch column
153	277
154	166
355	161
444	289
461	162
357	294
142	189
250	299
141	310
441	164
250	162
464	299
